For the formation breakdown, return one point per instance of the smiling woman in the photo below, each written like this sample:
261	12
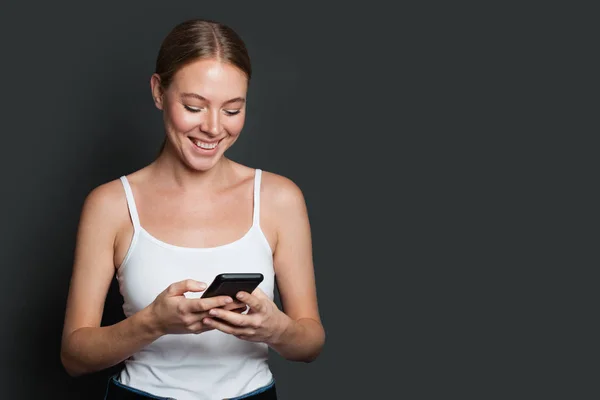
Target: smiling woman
217	54
203	108
168	229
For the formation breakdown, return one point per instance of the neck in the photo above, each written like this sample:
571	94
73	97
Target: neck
169	171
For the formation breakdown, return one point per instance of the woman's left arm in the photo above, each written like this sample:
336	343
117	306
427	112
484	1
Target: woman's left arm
297	334
302	336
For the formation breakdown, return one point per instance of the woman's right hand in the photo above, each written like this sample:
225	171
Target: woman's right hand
173	313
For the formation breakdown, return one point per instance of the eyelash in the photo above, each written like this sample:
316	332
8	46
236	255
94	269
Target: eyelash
228	113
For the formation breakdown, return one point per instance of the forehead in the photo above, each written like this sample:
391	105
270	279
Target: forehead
212	79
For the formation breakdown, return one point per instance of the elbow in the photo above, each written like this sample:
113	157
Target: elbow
308	357
315	350
71	367
68	366
70	363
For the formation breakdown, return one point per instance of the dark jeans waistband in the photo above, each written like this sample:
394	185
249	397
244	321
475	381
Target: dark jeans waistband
117	391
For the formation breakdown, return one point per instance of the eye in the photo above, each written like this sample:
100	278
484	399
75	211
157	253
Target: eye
193	109
231	112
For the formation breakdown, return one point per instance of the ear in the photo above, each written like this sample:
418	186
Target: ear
157	93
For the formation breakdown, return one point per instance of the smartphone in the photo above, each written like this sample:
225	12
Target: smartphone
231	283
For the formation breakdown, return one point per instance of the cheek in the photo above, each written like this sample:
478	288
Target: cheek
181	120
234	125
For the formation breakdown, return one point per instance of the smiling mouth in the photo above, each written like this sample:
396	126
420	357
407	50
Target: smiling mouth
204	145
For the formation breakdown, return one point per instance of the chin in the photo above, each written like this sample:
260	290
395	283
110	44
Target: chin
198	159
202	163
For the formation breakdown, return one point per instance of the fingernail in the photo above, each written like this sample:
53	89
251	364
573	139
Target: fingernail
212	312
228	300
240	296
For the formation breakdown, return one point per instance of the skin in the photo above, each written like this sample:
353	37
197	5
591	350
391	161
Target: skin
192	199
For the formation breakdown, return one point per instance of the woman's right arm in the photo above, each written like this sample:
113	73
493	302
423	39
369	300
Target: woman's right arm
87	347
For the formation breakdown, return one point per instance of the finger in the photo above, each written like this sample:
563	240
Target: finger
235	319
253	301
236	305
200	305
199	327
227	328
188	285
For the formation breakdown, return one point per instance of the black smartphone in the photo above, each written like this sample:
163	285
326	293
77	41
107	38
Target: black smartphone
231	283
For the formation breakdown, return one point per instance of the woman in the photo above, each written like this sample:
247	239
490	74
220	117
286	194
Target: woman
169	228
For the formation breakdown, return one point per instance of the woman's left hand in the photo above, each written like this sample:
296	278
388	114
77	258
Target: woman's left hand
264	322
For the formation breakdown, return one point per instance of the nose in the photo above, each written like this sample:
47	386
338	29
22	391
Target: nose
212	123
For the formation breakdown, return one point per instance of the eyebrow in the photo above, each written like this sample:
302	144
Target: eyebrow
197	96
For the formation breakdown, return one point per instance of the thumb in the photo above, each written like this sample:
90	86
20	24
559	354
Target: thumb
188	285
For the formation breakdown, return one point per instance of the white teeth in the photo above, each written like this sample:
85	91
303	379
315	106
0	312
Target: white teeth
207	146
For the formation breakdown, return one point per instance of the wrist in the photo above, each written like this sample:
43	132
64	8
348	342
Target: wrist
149	323
284	330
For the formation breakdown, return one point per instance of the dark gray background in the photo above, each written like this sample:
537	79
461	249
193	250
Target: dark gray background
405	128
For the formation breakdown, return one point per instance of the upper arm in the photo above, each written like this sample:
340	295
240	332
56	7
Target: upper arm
293	256
93	267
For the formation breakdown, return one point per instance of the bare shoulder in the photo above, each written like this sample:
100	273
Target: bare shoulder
281	193
106	202
105	195
284	217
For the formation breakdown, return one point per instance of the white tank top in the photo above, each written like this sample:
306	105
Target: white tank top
210	365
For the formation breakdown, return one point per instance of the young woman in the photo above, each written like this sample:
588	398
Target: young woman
168	229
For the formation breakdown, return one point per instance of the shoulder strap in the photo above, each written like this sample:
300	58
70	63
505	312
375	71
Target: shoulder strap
131	203
256	212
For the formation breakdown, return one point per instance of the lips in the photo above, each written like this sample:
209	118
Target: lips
205	145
